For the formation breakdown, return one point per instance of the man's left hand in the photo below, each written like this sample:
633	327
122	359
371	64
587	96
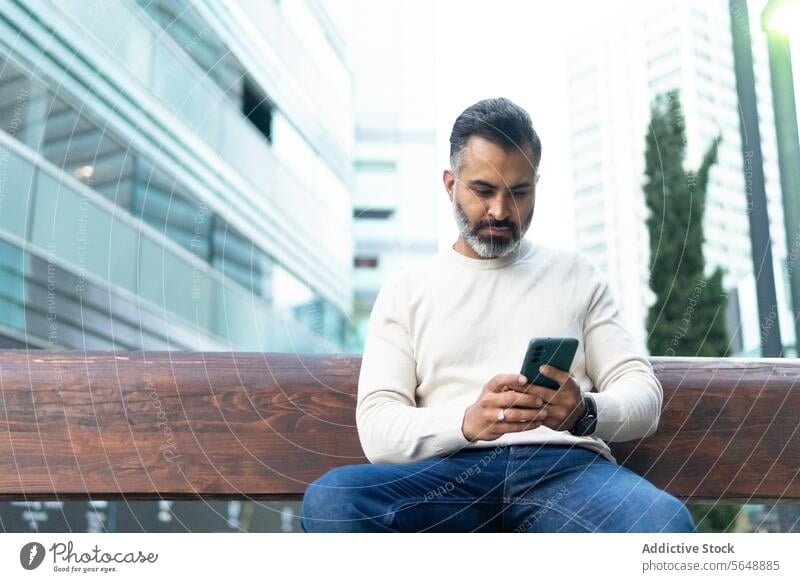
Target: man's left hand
565	405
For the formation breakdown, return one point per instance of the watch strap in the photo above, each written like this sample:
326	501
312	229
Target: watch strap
587	423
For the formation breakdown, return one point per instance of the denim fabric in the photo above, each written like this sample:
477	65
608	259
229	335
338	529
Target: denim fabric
516	488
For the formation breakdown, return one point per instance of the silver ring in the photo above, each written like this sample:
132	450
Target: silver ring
501	415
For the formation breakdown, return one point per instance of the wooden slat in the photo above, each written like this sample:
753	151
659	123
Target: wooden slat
729	429
216	424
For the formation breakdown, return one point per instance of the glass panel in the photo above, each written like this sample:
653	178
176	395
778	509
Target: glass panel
238	319
85	236
73	228
188	29
16	183
113	25
328	96
237	258
246	150
23	105
168	280
190	96
12	311
169	208
325	321
88	153
248	324
68	225
122	253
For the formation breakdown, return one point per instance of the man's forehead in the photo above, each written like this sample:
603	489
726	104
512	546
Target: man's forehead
482	158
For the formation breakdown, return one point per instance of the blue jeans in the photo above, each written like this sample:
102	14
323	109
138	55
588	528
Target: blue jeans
516	488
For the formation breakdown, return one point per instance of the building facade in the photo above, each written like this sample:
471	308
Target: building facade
174	176
398	179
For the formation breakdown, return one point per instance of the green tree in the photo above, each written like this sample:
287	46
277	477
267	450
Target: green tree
688	316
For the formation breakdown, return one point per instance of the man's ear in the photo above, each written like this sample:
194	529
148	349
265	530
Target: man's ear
449	182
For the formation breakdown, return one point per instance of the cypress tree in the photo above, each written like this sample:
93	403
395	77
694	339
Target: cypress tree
688	316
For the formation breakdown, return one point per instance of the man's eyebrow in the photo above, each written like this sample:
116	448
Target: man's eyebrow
485	184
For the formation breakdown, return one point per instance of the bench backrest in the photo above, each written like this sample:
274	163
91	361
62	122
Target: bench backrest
264	425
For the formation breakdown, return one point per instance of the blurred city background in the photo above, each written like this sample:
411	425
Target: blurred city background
244	174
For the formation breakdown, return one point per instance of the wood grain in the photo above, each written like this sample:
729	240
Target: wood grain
147	425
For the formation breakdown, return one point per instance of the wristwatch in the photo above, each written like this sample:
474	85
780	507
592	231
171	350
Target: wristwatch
588	422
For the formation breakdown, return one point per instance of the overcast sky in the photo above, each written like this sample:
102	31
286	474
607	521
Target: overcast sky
516	50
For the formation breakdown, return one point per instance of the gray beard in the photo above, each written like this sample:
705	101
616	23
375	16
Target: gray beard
491	247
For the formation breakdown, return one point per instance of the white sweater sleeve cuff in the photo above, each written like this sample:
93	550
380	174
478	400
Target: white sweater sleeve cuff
628	410
451	438
392	432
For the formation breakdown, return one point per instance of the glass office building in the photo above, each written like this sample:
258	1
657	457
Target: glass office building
174	175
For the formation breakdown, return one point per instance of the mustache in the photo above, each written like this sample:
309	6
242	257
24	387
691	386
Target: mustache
495	225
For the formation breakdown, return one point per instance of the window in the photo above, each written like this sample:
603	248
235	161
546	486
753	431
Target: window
365	262
257	109
166	205
380	213
15	192
189	31
375	166
239	259
12	287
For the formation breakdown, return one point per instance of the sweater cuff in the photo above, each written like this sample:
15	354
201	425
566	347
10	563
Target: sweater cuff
451	439
610	416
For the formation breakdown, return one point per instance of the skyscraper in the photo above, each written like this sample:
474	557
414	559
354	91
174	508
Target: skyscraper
614	74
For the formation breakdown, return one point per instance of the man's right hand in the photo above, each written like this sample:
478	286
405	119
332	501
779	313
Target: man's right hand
522	411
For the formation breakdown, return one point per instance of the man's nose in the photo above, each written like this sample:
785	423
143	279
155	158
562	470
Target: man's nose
498	209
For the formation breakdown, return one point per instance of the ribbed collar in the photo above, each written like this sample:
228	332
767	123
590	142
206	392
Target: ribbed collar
451	255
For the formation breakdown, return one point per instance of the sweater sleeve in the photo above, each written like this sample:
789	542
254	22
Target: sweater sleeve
391	428
629	396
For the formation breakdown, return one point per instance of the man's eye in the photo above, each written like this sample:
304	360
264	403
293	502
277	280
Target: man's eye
519	194
484	192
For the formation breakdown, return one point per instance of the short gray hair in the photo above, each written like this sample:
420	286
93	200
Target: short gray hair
499	120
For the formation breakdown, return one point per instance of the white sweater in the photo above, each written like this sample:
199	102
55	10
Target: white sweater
441	330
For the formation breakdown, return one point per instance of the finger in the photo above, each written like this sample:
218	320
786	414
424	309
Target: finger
499	382
554	373
556	416
517	415
543	392
510	399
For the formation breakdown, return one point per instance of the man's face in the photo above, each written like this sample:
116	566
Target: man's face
494	188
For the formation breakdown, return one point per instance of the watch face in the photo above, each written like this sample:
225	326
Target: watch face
585	425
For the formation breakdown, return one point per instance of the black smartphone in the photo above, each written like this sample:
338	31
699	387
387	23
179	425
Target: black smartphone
554	351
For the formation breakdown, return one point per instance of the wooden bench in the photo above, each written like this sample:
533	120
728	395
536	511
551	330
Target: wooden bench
177	425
